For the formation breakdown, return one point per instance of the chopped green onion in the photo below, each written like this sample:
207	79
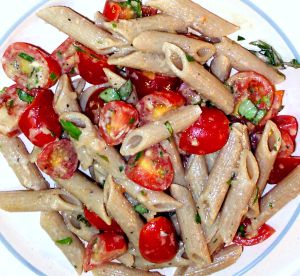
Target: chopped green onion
71	129
26	57
125	90
247	109
67	241
53	76
141	209
109	94
25	97
104	157
169	127
84	220
198	218
241	231
240	38
259	116
189	58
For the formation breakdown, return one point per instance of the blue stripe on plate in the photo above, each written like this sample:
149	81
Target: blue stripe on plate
291	221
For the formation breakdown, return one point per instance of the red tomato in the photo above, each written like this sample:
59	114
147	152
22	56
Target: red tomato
157	241
58	159
148	82
154	105
66	56
98	223
208	134
39	122
117	118
112	11
91	65
287	123
29	66
11	109
151	169
282	167
287	145
103	248
148	11
263	233
94	106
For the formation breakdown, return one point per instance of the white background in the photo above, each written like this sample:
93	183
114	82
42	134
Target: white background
285	260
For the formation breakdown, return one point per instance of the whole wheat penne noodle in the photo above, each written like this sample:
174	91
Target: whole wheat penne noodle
285	191
126	259
210	160
215	244
130	29
44	200
154	132
196	76
79	28
17	157
65	99
114	269
171	148
87	192
236	203
146	61
196	17
220	67
243	60
33	155
224	258
152	41
191	231
122	212
222	172
265	153
79	85
73	249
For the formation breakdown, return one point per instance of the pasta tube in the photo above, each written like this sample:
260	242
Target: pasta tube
220	67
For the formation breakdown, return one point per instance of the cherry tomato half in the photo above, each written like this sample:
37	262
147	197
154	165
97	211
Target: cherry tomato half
29	66
157	241
151	169
208	134
287	144
148	11
39	122
94	106
287	123
114	11
117	118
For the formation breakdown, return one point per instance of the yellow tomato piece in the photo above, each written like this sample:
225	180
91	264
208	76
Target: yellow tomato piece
25	66
159	111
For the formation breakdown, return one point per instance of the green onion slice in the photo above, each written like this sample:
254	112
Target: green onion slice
110	94
125	90
66	241
25	97
247	109
26	57
141	209
71	129
169	127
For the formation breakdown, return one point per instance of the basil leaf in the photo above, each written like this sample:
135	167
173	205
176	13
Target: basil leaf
169	127
109	95
66	241
189	58
71	129
26	57
247	109
141	209
125	90
23	96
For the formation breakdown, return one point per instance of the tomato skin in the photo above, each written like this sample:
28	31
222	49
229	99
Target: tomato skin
94	106
117	118
287	123
148	11
103	248
287	144
208	134
154	246
154	105
148	82
282	167
98	223
151	169
23	74
111	11
39	122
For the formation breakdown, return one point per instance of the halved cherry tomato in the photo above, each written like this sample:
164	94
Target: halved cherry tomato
58	159
157	241
282	167
287	144
94	106
11	109
91	65
98	223
208	134
263	233
39	122
151	169
30	66
287	123
154	105
66	56
148	82
111	10
117	118
148	11
121	10
103	248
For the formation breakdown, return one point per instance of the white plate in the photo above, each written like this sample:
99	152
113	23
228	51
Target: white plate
31	249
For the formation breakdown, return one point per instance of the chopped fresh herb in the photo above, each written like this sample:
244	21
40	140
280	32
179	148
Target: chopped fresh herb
256	196
81	218
53	76
189	58
71	129
25	97
161	154
294	63
11	103
141	209
26	57
240	38
241	231
143	193
266	100
78	49
114	25
198	218
121	168
131	121
138	156
125	90
67	241
109	94
229	181
59	54
169	128
247	109
215	240
3	90
105	158
259	116
271	205
72	71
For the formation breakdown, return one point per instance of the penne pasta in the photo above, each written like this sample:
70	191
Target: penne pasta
153	41
196	17
196	76
73	248
220	67
211	159
243	60
215	244
152	133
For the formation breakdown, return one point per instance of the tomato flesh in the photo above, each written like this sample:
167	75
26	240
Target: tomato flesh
157	241
208	134
287	123
287	144
148	11
114	11
94	106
